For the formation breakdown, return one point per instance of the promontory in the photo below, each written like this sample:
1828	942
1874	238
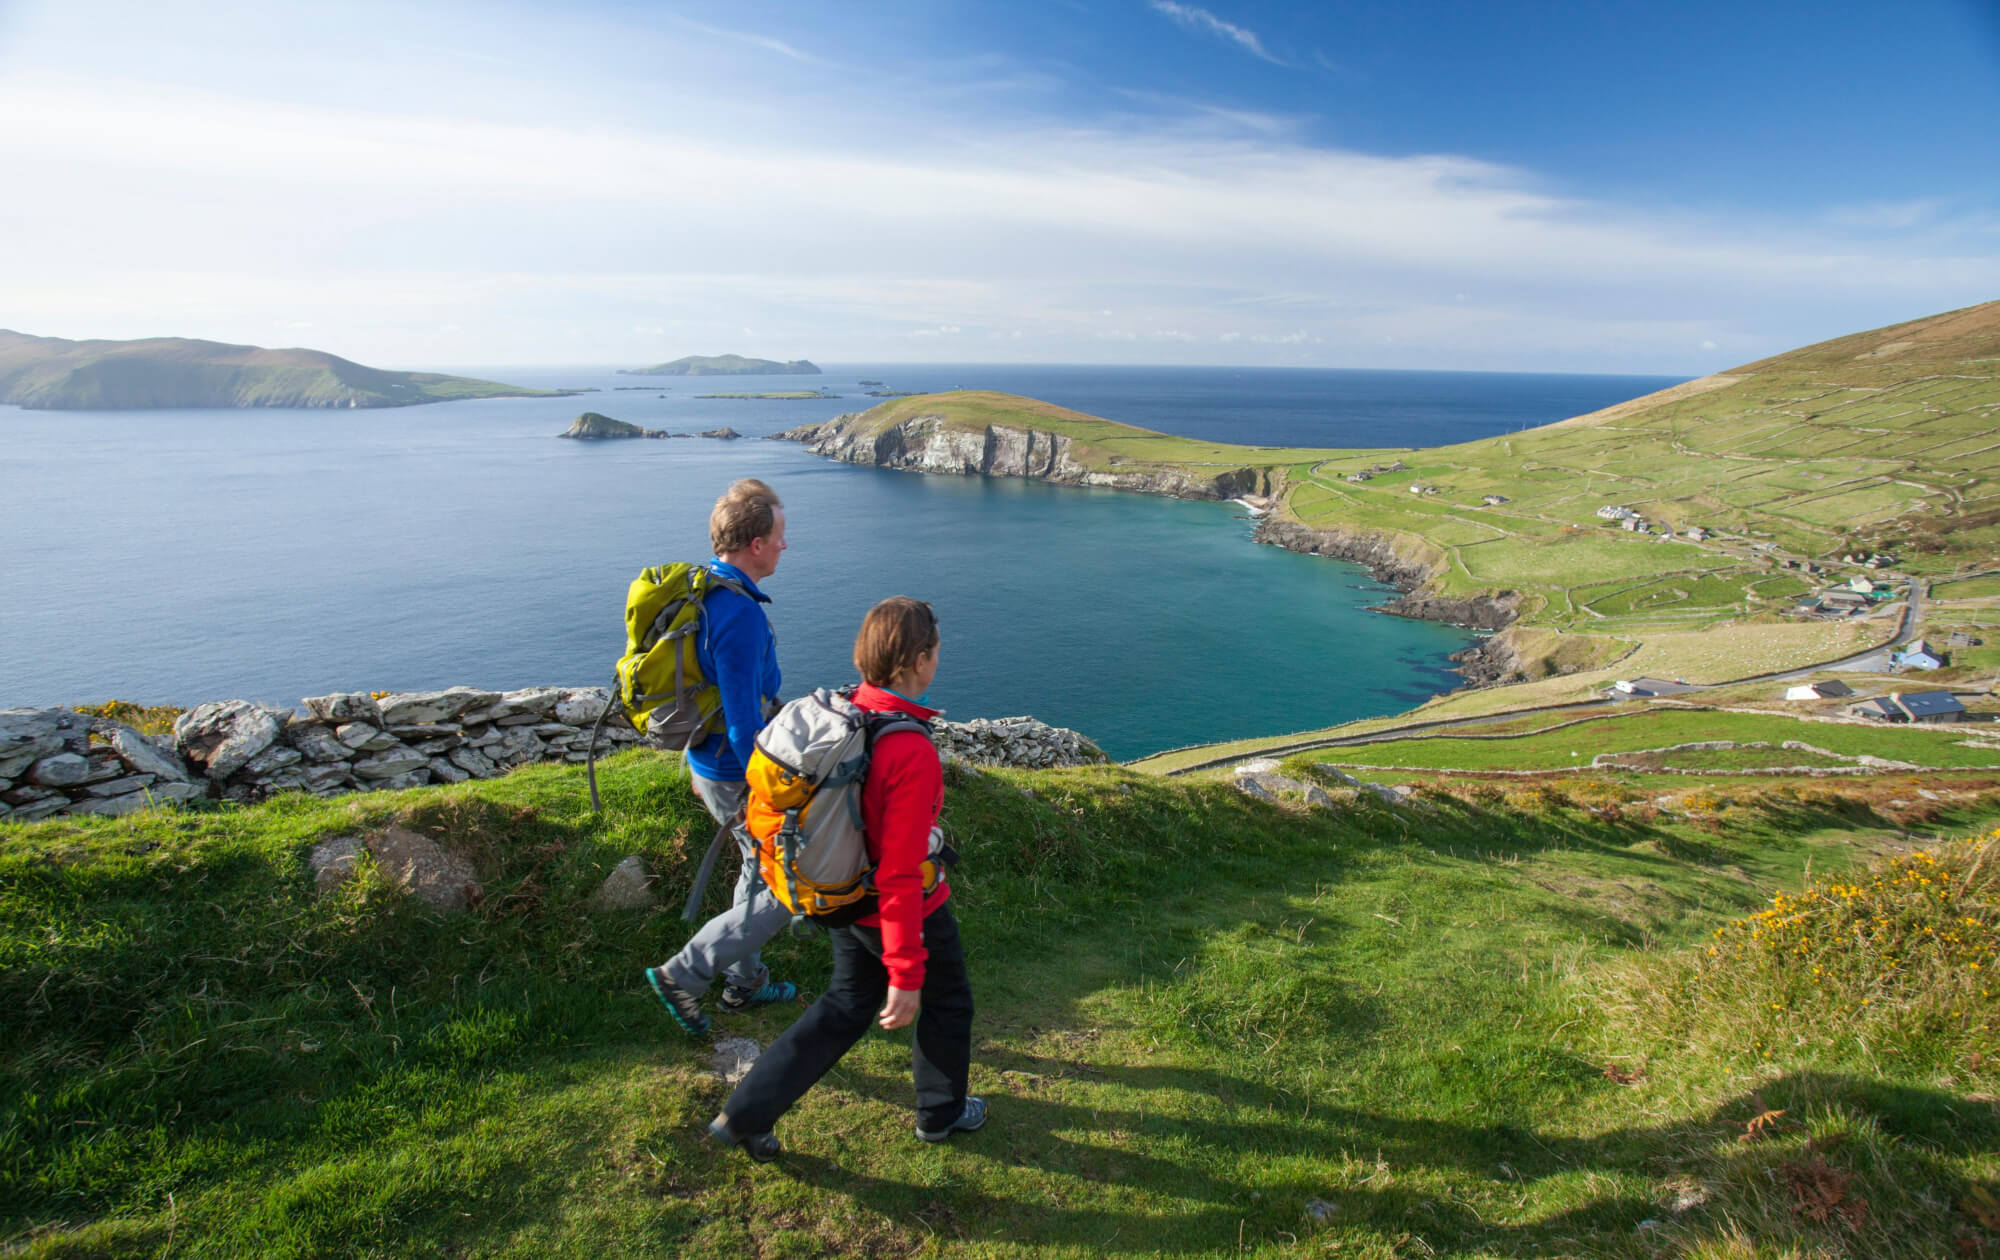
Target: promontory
725	365
53	373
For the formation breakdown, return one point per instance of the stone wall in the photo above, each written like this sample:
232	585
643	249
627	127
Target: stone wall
55	761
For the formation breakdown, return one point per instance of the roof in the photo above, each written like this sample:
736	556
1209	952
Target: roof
1833	687
1928	703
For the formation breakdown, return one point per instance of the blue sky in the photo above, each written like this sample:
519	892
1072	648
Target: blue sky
1605	186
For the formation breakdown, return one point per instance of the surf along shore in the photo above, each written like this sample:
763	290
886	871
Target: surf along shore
1678	535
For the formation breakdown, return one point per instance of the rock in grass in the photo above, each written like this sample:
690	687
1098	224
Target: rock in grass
733	1057
627	887
1262	780
332	862
440	878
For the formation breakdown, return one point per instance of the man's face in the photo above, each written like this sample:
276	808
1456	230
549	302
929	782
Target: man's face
764	552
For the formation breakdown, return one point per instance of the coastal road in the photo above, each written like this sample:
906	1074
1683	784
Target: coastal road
1906	629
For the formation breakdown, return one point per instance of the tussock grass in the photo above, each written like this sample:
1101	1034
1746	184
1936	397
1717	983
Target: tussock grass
1861	1012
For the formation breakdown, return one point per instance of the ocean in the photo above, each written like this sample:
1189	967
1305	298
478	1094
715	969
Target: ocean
191	555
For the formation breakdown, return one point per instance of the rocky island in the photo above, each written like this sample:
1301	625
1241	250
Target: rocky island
592	426
52	373
725	365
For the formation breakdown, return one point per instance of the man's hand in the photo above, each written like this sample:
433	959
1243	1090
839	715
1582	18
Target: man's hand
900	1009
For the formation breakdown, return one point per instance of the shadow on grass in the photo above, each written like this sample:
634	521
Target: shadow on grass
1154	1181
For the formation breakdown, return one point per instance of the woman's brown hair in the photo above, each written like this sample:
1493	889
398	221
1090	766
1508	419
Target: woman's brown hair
894	634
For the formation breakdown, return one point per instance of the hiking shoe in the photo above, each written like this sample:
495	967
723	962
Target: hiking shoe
685	1007
762	1147
739	999
971	1118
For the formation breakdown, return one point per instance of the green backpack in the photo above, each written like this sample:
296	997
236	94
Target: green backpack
659	684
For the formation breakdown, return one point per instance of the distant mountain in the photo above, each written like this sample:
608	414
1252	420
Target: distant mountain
726	365
56	374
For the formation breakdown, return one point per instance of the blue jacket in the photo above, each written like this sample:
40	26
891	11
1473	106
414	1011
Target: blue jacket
738	653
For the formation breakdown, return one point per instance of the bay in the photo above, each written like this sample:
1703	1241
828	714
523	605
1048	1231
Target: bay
182	556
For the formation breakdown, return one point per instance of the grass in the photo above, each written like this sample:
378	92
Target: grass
1252	1011
1578	740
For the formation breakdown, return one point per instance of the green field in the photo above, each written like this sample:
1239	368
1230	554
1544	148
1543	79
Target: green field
1208	1026
1659	728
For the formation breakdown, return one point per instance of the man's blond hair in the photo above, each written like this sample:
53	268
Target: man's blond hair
747	511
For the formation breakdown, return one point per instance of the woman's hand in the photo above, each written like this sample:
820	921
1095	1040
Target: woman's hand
900	1009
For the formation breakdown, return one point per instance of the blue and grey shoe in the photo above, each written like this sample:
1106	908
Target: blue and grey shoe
685	1007
740	999
971	1118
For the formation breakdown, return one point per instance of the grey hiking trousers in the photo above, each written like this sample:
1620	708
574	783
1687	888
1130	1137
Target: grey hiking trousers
728	944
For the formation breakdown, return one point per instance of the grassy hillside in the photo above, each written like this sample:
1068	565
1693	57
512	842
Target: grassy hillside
1542	1018
50	372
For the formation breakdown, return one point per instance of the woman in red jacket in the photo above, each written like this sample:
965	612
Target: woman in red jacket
904	962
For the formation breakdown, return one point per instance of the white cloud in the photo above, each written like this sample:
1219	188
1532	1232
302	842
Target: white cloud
1196	18
563	242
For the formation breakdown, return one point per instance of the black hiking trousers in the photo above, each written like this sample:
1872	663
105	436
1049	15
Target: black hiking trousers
940	1059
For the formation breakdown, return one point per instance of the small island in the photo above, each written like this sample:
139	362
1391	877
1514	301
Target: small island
725	365
52	373
789	395
594	426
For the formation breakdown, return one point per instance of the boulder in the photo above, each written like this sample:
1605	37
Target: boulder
49	804
1337	774
582	706
28	735
539	701
344	706
332	862
390	763
473	762
119	787
221	736
415	778
356	735
146	757
323	777
445	772
65	769
272	759
627	887
1262	780
318	743
438	877
413	708
111	806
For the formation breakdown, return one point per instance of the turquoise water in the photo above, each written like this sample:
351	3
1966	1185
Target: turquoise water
181	556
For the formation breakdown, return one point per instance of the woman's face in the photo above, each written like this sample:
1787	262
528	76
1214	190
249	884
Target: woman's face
926	668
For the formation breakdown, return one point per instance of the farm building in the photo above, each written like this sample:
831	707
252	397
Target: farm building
1911	706
1832	689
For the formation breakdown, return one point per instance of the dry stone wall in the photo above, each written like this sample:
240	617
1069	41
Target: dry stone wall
56	761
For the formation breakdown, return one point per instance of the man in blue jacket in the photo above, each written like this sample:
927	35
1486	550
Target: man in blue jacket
737	652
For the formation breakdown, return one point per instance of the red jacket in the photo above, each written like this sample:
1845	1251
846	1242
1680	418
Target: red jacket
899	806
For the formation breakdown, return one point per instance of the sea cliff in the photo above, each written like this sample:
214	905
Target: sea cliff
928	443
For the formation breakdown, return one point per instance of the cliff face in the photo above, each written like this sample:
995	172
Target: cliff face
924	444
1406	572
